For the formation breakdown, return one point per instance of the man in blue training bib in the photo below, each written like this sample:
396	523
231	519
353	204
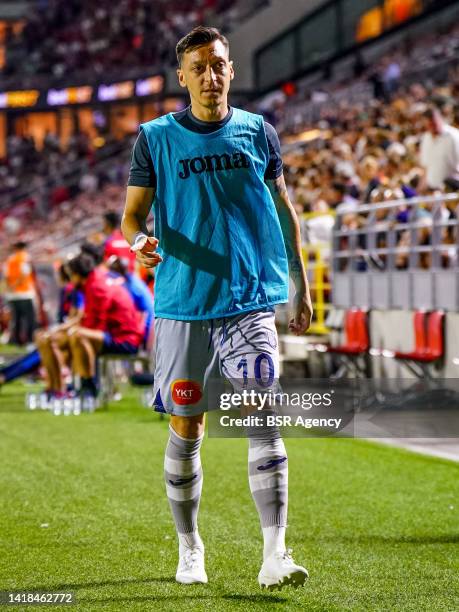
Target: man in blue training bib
225	239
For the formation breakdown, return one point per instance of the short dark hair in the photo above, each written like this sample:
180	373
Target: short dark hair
340	187
433	111
19	246
118	264
198	37
63	272
112	218
83	264
94	250
452	184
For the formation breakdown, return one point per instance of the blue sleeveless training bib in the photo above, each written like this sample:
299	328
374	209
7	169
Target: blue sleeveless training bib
216	222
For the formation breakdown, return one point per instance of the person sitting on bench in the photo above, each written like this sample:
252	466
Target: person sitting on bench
111	323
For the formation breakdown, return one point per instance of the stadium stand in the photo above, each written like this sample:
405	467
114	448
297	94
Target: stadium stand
418	61
68	224
358	152
42	178
353	156
362	152
78	40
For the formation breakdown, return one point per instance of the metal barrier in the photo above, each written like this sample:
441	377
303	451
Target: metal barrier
316	257
400	254
319	287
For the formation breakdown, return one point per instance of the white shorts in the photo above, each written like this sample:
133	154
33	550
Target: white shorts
190	355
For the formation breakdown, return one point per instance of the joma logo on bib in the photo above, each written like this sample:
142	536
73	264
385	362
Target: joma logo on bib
212	163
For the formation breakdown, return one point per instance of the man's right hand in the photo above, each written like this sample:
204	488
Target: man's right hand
144	247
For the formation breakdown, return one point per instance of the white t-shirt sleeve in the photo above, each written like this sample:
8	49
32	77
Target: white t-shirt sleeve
455	150
423	151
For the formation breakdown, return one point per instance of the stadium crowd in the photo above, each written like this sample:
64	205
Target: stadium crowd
401	142
382	151
87	41
66	224
360	150
26	165
48	195
417	59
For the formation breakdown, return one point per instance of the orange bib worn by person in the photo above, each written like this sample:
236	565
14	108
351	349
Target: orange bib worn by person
18	274
21	293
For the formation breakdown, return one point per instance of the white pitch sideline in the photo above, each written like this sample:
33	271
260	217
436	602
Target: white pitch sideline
444	448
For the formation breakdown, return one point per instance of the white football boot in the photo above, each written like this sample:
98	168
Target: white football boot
279	570
190	569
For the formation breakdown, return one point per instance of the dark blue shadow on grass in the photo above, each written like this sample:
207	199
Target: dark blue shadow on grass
448	538
101	583
263	599
259	597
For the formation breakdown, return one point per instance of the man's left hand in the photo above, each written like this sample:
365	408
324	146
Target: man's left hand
302	313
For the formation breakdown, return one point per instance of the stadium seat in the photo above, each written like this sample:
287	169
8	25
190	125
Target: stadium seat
428	390
429	347
355	346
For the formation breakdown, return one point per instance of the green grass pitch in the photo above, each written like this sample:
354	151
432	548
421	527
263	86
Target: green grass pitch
83	509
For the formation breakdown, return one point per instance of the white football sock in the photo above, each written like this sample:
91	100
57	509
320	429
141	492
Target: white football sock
274	540
189	540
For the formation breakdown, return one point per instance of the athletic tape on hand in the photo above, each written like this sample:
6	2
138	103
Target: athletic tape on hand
140	241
